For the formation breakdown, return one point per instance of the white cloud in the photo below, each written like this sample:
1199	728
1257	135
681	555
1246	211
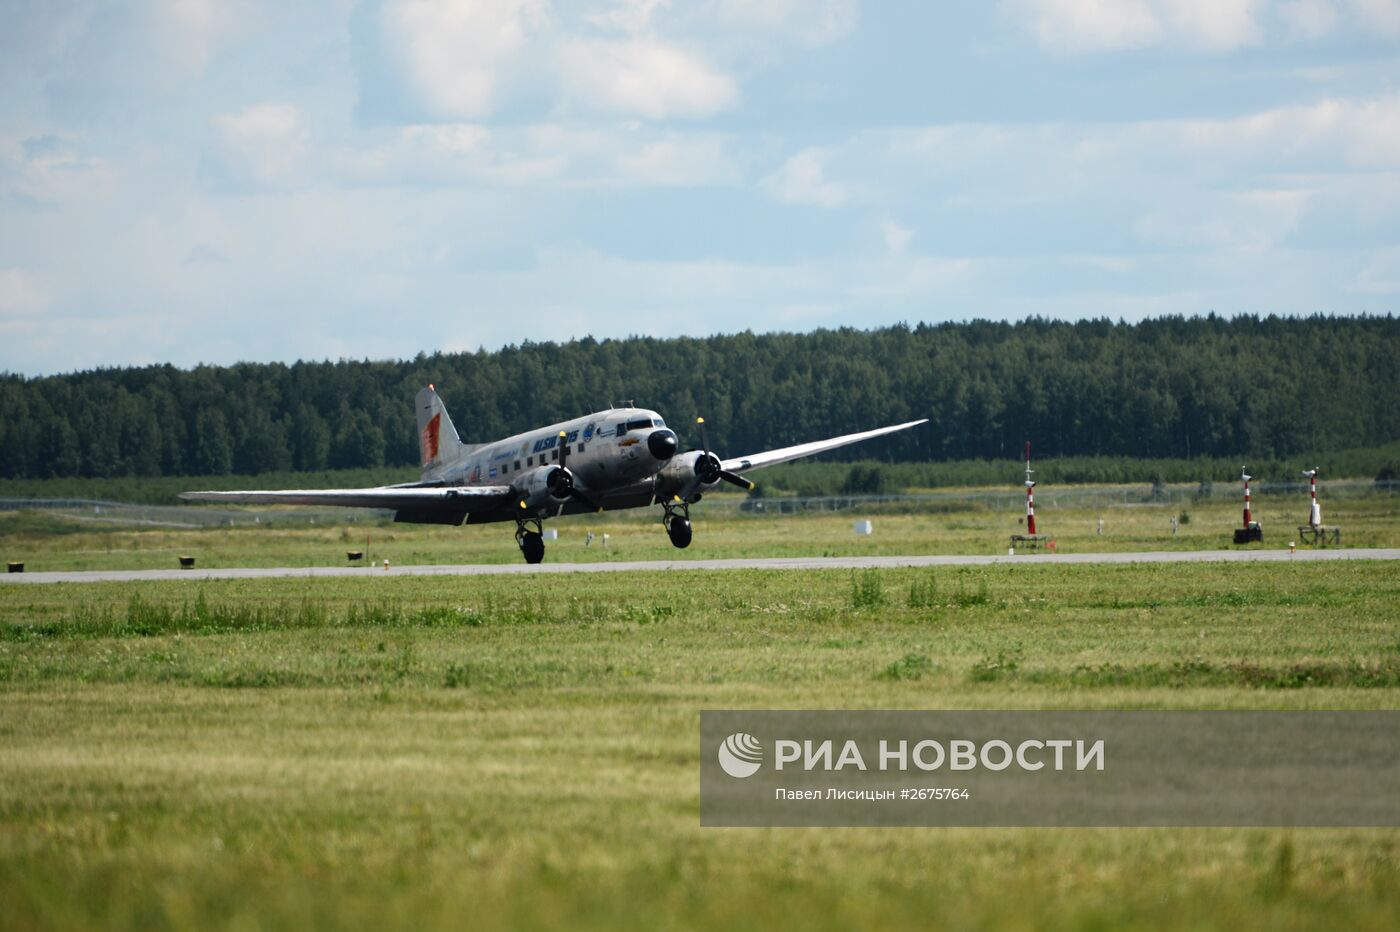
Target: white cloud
1338	133
705	295
1062	159
805	22
1380	275
1309	19
91	53
652	59
1214	24
1197	25
55	171
680	159
1252	183
454	50
1200	25
1247	221
555	154
802	180
1087	25
1383	15
19	293
642	77
191	31
629	16
896	237
263	146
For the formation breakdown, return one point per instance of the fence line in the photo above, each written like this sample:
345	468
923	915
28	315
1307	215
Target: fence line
1048	497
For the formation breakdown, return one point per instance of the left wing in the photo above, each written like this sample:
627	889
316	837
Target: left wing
461	499
773	457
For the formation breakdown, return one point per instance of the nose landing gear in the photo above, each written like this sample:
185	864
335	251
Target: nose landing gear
676	520
529	534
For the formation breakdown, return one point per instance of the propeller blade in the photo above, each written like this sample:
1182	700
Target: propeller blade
735	479
563	446
704	440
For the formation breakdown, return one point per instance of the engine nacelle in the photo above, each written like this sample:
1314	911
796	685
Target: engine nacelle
544	485
695	470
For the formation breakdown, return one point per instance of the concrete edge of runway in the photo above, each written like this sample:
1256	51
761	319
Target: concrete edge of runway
769	563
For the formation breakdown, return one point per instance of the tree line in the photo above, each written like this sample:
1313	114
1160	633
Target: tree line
1170	387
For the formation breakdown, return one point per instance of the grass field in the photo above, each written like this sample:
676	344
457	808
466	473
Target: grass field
46	542
498	752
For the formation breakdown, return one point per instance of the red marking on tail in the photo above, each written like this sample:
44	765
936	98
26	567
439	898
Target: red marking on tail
430	438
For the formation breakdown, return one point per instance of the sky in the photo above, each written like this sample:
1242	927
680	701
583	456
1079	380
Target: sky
211	181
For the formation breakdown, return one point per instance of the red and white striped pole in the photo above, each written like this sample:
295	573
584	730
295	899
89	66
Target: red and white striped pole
1315	512
1248	516
1030	495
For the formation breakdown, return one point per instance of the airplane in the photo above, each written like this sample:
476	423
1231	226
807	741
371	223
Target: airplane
624	457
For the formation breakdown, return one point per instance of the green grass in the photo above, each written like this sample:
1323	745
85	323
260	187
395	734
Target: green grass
50	542
496	752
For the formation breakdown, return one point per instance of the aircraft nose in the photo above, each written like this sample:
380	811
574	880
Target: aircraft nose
662	444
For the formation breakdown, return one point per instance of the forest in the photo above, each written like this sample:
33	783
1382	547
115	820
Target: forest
1171	387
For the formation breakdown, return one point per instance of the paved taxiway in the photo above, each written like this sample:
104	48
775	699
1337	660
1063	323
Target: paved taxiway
774	563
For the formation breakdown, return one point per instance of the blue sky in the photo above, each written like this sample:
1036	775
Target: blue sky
218	180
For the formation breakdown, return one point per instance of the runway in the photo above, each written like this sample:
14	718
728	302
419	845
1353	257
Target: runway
772	563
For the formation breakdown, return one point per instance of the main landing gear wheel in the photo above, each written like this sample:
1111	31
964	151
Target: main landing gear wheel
530	536
677	523
679	531
532	546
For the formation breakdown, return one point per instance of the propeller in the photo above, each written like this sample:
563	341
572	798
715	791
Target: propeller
561	481
708	468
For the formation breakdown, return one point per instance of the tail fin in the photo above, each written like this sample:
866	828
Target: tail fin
438	443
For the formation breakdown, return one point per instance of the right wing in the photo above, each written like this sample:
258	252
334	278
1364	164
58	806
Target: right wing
461	499
740	464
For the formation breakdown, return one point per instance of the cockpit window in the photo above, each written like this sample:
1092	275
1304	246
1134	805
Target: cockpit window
636	425
658	422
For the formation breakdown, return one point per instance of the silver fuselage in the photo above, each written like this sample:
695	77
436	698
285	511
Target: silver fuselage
607	453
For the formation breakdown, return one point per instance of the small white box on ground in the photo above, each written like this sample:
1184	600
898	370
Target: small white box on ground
864	527
550	534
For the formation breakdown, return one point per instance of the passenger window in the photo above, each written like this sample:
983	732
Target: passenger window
517	465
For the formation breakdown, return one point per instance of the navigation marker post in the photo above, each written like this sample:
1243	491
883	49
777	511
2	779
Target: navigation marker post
1252	531
1315	532
1030	539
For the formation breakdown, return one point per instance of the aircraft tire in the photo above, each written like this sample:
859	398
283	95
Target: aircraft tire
680	532
532	547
